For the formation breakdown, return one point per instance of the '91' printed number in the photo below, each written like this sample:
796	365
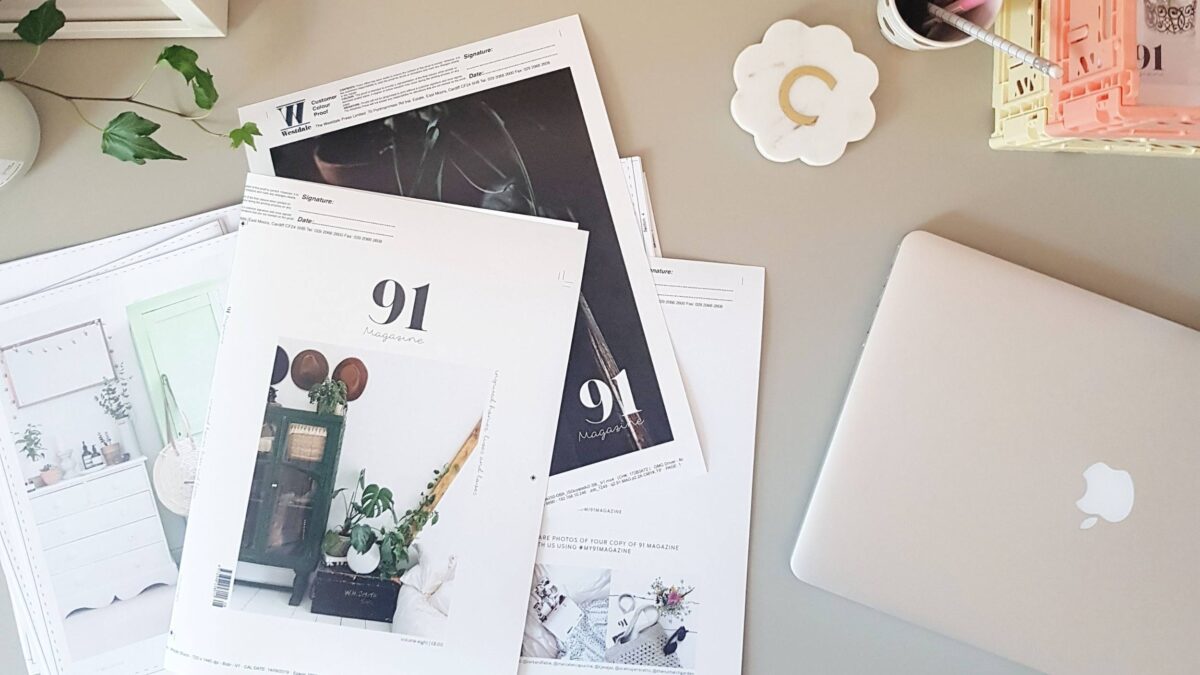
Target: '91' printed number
1150	57
597	394
390	295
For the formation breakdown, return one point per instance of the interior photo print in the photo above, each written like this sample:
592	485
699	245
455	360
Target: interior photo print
522	147
364	468
620	617
105	394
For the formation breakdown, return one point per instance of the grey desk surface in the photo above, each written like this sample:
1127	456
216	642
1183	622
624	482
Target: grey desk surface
1125	227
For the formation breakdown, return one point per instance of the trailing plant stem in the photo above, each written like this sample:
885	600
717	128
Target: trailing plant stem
111	99
36	50
79	112
207	130
145	81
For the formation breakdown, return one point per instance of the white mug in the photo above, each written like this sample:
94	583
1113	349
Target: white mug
899	33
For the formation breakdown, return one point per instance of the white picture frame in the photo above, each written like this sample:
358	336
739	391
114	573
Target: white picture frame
196	18
55	364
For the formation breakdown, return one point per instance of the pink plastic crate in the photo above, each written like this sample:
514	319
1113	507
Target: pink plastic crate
1096	43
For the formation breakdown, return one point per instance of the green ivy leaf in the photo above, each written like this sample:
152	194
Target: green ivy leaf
1	75
127	137
183	60
40	23
245	134
204	90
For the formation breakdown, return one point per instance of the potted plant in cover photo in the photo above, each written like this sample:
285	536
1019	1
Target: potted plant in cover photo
330	397
363	502
395	543
114	401
30	444
51	474
109	449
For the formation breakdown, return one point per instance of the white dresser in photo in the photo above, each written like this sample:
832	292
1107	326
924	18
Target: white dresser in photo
102	536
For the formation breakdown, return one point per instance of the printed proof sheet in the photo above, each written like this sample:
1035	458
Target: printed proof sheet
516	123
382	416
655	580
91	542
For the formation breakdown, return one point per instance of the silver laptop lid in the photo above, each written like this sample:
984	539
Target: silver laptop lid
1017	465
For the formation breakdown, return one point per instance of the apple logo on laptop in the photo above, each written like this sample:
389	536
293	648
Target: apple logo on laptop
1108	495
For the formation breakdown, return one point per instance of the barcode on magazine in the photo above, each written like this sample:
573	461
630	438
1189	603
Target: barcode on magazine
222	587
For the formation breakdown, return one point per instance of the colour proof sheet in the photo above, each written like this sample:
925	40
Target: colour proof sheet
91	543
382	417
516	123
654	580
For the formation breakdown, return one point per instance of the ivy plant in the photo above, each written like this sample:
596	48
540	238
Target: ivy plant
129	136
328	395
395	541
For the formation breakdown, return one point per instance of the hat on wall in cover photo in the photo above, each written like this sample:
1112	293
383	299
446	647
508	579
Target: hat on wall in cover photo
309	368
353	373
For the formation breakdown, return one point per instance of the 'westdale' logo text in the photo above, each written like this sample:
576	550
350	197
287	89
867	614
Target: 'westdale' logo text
293	117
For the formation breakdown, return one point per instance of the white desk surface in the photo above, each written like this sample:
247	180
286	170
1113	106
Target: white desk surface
1126	227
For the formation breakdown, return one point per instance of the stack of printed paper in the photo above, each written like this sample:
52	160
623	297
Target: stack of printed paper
460	416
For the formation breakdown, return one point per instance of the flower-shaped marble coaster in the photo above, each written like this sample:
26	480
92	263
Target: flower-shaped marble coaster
804	93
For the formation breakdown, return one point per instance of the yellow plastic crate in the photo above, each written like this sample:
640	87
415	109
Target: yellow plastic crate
1021	94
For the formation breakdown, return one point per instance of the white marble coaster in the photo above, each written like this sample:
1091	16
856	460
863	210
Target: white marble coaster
804	93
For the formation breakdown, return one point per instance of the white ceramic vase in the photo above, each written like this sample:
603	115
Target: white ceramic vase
128	438
20	134
66	461
363	563
669	622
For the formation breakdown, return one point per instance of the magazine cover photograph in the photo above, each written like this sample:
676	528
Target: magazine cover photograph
521	147
363	468
105	387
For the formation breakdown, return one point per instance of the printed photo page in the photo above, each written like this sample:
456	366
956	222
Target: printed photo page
516	123
655	581
27	276
377	447
95	258
91	536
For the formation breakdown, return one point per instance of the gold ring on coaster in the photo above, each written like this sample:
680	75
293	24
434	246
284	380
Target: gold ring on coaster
785	91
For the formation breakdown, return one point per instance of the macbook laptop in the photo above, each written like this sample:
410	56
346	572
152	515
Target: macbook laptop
1017	466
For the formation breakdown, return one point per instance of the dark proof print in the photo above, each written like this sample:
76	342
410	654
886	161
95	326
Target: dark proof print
523	148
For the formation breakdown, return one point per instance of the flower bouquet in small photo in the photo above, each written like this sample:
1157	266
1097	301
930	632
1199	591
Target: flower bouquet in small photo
671	600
